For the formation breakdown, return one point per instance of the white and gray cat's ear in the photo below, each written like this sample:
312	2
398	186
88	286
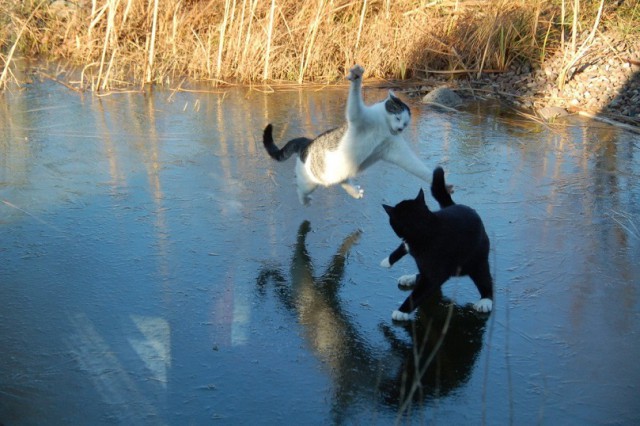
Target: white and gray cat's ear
392	95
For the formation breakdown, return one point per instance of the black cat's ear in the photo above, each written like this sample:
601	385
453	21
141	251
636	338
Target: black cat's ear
420	197
388	209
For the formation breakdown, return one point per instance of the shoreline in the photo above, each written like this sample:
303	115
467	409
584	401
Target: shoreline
525	91
604	82
549	58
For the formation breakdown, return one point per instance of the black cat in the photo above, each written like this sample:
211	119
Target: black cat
446	243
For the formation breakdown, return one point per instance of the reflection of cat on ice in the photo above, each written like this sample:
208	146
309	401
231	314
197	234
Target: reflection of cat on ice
408	370
371	133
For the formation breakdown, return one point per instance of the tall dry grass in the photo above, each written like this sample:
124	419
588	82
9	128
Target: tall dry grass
116	43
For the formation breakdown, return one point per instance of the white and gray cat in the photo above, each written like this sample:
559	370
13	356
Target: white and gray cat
371	133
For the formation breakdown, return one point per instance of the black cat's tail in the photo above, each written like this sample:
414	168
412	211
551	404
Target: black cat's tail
439	189
294	146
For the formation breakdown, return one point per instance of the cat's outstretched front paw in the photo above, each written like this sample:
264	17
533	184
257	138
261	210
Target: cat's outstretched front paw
400	316
355	73
483	305
407	281
385	263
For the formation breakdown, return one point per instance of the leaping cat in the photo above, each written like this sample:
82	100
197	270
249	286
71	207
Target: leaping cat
371	133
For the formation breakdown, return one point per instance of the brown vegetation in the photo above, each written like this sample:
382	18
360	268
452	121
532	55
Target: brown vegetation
116	43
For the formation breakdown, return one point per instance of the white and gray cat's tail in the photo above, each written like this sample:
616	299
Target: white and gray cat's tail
294	146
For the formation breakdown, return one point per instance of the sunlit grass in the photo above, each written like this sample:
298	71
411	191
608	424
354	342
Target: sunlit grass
114	43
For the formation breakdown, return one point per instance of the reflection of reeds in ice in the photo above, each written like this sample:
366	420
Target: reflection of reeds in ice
423	357
101	363
120	42
626	222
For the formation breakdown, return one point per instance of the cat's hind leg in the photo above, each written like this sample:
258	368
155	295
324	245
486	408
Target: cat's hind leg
400	316
304	183
304	192
483	305
354	190
481	277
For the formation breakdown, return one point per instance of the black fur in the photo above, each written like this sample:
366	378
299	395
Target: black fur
441	193
397	254
394	105
294	146
439	189
449	242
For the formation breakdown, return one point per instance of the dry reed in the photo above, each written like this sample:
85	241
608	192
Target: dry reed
133	42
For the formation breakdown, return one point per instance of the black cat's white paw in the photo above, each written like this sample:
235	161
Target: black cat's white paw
385	263
355	73
407	281
483	305
400	316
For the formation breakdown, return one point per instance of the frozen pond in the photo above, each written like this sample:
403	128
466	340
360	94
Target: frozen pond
157	268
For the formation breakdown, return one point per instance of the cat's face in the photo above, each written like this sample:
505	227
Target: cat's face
404	216
398	114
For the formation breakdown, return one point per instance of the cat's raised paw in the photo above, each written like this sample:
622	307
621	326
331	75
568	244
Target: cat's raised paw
407	281
385	263
484	305
400	316
355	73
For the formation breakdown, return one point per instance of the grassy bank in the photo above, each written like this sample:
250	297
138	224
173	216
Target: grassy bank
116	43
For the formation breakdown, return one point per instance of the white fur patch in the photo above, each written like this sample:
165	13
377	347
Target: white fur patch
484	305
385	263
407	281
400	316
